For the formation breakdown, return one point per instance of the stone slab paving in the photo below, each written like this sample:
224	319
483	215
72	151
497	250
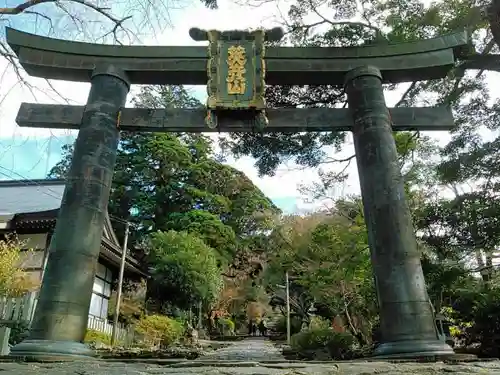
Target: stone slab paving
242	358
253	349
358	368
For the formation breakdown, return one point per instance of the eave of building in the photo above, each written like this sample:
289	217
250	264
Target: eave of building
44	221
113	254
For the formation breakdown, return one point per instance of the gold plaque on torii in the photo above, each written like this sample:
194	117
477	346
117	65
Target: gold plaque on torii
236	73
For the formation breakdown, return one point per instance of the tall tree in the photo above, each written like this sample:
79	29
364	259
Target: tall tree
184	270
321	23
165	182
161	177
328	260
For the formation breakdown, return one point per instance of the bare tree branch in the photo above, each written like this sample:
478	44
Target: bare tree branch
29	4
24	8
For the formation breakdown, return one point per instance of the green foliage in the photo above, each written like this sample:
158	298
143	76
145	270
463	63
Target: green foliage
92	337
184	267
318	322
160	177
338	345
475	314
18	332
328	260
132	304
225	326
458	235
295	325
337	23
173	181
271	149
159	329
209	228
14	280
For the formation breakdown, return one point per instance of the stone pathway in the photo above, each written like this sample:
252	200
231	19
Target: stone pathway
253	349
242	358
358	368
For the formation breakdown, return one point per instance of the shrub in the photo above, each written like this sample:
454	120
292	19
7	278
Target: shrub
18	332
318	322
159	329
295	325
92	336
485	328
339	345
14	280
225	326
181	264
476	313
132	302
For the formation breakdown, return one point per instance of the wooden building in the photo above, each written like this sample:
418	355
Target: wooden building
29	209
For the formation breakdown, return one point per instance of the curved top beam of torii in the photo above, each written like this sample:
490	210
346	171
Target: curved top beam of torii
74	61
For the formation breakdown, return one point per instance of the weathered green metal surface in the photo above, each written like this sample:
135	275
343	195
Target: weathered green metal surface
186	120
458	42
270	35
489	62
72	61
406	316
61	314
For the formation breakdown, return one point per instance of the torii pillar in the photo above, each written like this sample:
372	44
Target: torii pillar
406	318
61	315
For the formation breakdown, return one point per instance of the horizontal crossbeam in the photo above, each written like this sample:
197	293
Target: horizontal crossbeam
489	62
75	61
287	120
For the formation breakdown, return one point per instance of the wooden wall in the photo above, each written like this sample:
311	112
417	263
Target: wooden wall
33	259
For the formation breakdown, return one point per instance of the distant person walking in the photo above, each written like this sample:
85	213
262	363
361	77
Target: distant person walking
262	328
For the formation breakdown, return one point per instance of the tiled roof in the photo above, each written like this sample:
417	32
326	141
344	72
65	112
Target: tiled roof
23	196
31	196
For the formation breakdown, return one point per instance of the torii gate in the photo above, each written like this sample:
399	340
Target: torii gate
237	67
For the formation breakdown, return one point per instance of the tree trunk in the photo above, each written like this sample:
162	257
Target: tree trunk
494	20
489	271
354	331
481	265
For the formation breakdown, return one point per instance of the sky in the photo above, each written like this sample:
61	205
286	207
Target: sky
30	153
